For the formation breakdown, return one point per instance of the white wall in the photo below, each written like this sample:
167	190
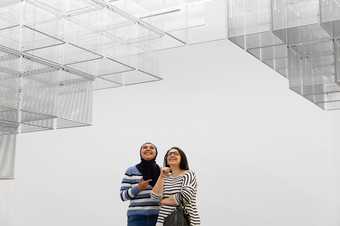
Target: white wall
264	156
336	156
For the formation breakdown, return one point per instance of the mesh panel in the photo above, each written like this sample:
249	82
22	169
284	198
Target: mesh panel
74	105
7	154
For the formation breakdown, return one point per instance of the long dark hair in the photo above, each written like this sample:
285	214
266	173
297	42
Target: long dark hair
184	165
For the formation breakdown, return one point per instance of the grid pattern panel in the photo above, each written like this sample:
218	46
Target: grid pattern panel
298	39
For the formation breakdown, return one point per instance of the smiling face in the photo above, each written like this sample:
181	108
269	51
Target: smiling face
173	158
148	151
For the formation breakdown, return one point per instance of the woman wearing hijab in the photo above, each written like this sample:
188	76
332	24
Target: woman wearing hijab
137	185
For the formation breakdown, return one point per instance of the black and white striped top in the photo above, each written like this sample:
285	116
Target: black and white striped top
183	188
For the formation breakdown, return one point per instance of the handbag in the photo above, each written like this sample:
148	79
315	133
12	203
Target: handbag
177	218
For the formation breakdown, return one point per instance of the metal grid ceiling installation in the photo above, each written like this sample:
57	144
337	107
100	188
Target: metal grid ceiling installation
297	38
55	53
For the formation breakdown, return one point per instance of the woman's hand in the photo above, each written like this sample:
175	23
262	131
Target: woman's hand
165	171
168	202
144	184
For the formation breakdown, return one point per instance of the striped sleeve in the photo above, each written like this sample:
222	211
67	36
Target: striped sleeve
128	189
188	189
155	196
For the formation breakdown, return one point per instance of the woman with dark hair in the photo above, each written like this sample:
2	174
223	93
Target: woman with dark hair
176	186
136	186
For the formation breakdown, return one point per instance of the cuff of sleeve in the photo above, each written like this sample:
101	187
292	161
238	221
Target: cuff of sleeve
155	196
135	190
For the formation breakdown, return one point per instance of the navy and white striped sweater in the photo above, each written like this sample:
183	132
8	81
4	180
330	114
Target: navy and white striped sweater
141	202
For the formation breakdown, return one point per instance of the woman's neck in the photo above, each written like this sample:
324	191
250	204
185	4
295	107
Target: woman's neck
176	171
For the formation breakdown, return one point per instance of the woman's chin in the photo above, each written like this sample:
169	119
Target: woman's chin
174	164
148	157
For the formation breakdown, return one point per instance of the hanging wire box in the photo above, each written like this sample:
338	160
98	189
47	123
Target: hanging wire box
297	38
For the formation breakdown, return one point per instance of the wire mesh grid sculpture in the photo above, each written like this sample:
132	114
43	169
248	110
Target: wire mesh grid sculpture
297	38
54	54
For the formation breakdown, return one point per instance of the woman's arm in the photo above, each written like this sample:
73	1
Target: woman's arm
127	191
157	190
188	189
171	201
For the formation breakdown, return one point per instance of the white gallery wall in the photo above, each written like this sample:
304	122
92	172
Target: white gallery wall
264	155
336	157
